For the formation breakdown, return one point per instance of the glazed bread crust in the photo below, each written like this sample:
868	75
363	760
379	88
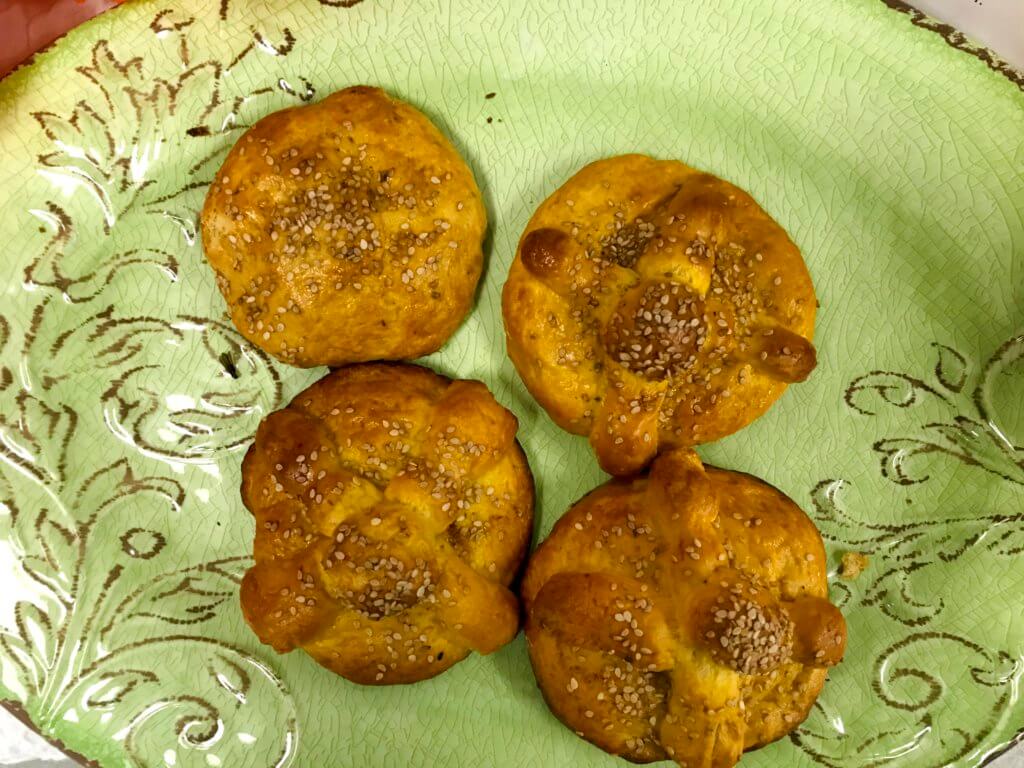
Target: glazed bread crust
651	305
393	507
682	614
345	231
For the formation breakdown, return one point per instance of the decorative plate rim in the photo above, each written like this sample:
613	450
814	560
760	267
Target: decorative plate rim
952	36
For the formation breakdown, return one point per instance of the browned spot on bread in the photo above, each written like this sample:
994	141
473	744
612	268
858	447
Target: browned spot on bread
819	631
783	355
543	251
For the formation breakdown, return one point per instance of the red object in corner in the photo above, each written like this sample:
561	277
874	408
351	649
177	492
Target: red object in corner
27	26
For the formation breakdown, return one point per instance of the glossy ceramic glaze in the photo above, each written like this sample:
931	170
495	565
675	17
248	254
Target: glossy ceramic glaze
128	398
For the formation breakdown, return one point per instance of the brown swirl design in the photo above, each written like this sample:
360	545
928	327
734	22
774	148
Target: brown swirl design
901	554
179	598
918	675
86	640
913	678
142	543
241	386
971	433
121	109
237	384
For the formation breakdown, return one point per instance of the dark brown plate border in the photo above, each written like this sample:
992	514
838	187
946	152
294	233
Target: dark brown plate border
958	40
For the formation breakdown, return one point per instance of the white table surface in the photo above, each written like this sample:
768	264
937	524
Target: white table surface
998	24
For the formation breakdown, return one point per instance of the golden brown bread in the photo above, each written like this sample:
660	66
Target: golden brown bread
345	231
682	614
393	507
651	306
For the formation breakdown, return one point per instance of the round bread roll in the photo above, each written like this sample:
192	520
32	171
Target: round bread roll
393	507
345	231
683	614
650	306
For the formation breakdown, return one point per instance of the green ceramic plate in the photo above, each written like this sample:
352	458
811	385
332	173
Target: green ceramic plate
128	399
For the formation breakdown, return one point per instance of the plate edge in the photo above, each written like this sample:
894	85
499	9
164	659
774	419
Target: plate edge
958	40
15	708
953	37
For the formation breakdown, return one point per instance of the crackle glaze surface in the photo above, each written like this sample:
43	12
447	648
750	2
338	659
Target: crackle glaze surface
893	160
